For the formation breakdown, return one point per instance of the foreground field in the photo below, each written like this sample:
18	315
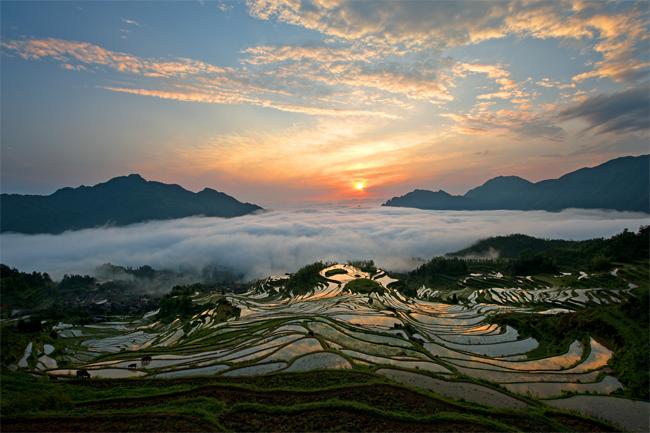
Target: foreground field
338	348
333	400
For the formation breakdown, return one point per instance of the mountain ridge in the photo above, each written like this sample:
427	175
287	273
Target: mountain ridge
119	201
619	184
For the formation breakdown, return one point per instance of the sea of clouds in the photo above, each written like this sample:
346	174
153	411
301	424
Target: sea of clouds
282	241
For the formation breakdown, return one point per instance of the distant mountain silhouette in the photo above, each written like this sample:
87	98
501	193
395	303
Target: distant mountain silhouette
620	184
119	201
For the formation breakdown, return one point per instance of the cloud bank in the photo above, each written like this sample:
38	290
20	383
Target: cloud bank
282	241
624	111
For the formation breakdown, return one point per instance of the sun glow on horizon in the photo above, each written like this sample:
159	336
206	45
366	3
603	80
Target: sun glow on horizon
321	103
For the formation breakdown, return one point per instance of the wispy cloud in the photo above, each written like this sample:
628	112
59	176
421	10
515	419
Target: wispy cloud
626	111
224	6
366	67
130	22
508	89
216	97
191	80
504	122
89	54
267	54
554	84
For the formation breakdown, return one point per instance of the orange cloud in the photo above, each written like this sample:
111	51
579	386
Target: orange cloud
90	54
326	155
221	98
621	35
196	81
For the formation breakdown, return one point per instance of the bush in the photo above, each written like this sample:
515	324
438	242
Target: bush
335	272
531	264
367	266
305	279
172	307
439	272
31	325
364	286
600	263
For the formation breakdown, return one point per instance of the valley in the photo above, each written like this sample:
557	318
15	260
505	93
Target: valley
352	339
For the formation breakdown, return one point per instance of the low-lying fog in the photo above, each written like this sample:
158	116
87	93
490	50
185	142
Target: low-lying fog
282	241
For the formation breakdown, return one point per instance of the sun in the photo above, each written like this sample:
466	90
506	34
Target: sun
359	186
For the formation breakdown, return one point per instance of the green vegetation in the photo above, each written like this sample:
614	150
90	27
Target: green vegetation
224	310
288	402
20	290
12	344
14	337
536	255
532	264
337	271
521	255
117	291
179	304
73	299
74	285
364	286
367	266
305	279
439	272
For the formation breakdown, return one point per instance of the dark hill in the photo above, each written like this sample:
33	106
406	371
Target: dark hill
619	184
119	201
625	247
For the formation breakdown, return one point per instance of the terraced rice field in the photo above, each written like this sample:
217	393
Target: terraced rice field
495	288
451	350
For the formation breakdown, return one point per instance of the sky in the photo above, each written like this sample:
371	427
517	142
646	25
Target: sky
284	101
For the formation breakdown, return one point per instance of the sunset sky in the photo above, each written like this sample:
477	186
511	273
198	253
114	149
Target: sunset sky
284	101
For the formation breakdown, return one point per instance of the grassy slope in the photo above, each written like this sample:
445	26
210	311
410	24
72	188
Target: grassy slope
286	402
305	279
593	254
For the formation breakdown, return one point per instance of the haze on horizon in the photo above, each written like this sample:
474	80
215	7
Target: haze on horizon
274	101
